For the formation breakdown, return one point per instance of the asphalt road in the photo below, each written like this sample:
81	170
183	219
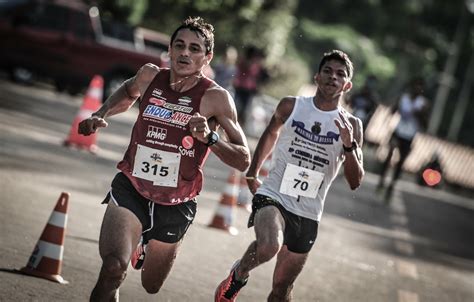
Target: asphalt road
418	248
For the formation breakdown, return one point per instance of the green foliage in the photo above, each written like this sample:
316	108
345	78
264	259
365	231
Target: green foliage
313	39
287	77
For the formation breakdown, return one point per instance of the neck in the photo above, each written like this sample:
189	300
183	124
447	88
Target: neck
325	102
184	83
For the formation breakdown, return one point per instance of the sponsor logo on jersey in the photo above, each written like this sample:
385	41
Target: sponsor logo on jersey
156	132
157	102
187	142
164	114
327	139
157	92
185	100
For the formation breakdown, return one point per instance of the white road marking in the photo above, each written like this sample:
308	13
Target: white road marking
407	296
407	269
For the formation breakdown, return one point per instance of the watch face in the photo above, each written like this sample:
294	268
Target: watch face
212	138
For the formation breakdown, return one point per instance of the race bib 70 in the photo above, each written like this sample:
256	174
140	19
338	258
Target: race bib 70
300	181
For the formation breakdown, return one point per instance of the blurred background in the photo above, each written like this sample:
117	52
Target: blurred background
59	59
265	50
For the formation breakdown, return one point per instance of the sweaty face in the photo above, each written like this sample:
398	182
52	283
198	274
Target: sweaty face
333	78
188	53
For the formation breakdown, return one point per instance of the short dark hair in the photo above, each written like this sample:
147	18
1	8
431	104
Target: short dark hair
198	25
340	56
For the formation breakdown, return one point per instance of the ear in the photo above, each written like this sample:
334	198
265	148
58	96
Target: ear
316	78
209	57
347	86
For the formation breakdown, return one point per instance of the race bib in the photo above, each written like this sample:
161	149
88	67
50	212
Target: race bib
160	167
300	181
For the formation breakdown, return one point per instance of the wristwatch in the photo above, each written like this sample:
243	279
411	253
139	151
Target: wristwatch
212	138
351	148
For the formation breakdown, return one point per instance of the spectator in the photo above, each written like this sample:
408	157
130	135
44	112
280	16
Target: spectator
413	109
226	69
364	102
250	74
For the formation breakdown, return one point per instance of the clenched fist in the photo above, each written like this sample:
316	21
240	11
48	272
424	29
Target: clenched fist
91	124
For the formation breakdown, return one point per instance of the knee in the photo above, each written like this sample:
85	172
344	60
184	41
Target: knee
151	288
114	266
267	250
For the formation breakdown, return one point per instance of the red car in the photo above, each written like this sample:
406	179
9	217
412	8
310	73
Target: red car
63	40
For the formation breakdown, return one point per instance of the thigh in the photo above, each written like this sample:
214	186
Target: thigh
120	232
269	225
158	262
289	265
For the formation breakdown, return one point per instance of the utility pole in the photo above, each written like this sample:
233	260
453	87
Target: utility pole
464	96
447	77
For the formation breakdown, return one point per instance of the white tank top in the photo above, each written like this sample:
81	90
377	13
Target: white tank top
308	155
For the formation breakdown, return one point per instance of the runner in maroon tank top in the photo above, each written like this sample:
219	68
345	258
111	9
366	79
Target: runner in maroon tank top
151	202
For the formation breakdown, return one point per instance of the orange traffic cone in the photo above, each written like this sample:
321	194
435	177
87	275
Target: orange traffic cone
46	259
244	200
91	103
223	216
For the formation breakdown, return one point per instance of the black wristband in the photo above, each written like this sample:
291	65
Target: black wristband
351	148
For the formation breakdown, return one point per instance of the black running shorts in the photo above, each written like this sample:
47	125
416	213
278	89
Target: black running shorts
160	222
300	232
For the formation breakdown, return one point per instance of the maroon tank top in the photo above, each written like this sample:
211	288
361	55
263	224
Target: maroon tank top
163	161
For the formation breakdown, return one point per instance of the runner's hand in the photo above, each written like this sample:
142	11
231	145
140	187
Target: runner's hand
345	129
254	184
199	127
91	124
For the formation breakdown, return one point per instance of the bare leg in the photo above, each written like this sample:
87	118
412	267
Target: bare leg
269	226
287	269
119	235
158	262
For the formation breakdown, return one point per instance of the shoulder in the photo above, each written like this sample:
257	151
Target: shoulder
147	72
216	100
216	94
285	108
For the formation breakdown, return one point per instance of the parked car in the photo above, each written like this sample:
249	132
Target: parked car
63	40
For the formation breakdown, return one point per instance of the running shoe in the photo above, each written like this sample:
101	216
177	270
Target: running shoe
228	290
138	255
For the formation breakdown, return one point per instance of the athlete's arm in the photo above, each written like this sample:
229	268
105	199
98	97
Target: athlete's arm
217	108
351	130
121	100
267	140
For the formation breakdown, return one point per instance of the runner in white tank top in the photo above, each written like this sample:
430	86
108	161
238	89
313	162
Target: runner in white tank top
311	138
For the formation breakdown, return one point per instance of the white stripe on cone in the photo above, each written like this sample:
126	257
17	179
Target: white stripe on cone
95	93
226	212
46	249
232	190
58	219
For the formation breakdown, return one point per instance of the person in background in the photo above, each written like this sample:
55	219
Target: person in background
364	102
225	70
413	109
312	138
152	200
250	75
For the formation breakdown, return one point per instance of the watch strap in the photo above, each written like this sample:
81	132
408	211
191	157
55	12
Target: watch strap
351	148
